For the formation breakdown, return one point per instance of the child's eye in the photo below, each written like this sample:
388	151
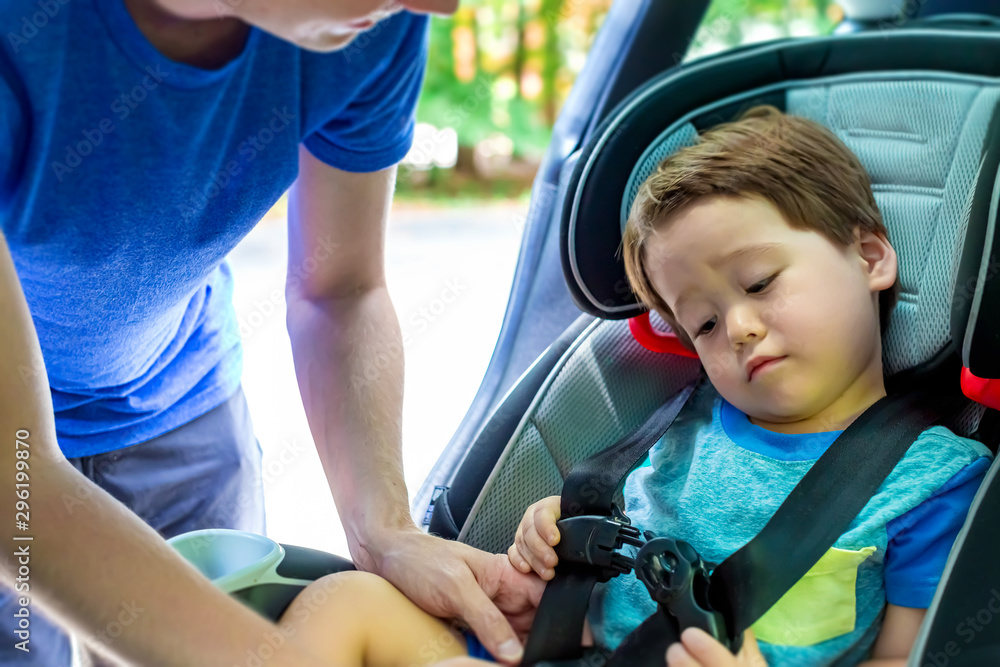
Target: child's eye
762	285
757	287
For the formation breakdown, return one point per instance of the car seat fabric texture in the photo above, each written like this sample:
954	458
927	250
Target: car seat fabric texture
715	479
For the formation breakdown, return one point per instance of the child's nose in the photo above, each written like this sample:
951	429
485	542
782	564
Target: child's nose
744	324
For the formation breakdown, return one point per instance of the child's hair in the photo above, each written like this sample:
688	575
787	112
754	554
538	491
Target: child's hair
799	166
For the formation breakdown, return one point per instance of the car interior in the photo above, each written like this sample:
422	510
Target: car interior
912	88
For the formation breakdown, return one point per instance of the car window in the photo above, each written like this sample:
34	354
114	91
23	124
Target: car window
730	23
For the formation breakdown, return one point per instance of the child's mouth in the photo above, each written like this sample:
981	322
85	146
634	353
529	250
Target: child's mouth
764	367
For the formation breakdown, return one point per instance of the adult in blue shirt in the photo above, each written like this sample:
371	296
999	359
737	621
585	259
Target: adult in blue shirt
140	140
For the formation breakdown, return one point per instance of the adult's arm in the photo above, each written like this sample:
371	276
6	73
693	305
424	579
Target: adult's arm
92	564
348	354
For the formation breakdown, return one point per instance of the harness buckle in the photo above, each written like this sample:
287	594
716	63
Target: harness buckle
593	540
677	579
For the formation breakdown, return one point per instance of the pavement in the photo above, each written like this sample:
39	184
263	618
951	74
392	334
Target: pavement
449	272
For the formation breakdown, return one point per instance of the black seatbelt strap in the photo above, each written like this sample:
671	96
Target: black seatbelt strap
589	490
591	485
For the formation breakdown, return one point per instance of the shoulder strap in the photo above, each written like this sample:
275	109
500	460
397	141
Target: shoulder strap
591	485
589	489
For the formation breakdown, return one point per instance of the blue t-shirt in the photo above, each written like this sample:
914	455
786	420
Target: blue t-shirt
126	178
715	479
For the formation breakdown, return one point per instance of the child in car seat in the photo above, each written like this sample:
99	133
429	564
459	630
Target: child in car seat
763	249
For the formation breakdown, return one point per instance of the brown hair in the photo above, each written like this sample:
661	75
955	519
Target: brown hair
799	166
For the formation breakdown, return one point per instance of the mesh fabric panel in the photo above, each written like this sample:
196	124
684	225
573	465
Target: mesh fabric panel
528	475
920	142
602	391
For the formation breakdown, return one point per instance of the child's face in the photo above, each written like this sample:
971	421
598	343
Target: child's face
805	300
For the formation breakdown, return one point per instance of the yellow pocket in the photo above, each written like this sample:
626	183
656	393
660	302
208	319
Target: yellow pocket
820	606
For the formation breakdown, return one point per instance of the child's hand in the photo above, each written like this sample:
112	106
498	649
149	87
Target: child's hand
536	535
699	649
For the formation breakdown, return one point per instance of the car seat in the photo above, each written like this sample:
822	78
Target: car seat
919	106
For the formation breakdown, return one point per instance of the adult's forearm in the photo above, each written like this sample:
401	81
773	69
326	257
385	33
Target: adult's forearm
91	563
349	363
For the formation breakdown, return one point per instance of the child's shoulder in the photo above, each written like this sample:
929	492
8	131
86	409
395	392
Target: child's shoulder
938	454
939	461
941	441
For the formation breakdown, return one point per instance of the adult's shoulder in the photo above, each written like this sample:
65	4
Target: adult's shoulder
360	102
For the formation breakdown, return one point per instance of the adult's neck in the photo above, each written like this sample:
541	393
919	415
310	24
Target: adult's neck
206	43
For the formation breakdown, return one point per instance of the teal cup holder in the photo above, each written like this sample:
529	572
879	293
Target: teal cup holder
263	574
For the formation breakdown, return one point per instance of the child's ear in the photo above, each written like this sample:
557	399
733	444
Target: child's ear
878	257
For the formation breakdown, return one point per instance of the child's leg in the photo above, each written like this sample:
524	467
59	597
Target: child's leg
356	618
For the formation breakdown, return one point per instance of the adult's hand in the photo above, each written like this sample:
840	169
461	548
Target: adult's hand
453	580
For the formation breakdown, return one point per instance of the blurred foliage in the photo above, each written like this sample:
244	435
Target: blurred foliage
507	66
502	66
730	23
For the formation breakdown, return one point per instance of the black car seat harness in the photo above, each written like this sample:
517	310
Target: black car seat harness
689	592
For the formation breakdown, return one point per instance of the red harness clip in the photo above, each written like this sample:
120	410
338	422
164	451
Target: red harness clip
657	341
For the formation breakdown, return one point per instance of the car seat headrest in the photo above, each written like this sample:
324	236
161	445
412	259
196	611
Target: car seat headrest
918	107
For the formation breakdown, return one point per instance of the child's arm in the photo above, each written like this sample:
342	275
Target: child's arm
536	535
896	638
356	618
